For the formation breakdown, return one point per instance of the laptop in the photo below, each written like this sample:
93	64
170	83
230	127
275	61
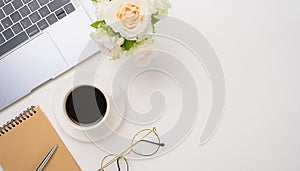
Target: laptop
40	40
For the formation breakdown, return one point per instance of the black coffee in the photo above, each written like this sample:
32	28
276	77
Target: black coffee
86	105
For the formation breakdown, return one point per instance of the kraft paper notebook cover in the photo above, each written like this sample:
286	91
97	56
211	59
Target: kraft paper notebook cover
27	139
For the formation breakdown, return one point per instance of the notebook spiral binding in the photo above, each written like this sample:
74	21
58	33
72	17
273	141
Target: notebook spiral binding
17	120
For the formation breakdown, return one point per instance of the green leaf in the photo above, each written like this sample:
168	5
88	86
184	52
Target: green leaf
128	44
154	20
98	24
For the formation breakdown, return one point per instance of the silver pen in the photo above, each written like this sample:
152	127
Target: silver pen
47	158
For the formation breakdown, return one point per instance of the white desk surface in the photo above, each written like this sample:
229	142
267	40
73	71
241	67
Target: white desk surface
257	42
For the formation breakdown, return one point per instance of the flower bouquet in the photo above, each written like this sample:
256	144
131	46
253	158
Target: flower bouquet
126	27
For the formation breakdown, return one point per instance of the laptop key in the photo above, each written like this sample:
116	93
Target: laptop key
43	2
42	24
35	17
56	4
24	11
12	43
17	28
69	8
60	13
26	23
15	17
8	9
33	30
1	3
2	15
51	19
2	40
33	5
17	4
6	22
44	11
8	34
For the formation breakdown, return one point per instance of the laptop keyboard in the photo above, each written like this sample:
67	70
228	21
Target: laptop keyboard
22	19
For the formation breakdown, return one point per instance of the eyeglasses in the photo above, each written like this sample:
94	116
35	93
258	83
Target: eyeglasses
145	143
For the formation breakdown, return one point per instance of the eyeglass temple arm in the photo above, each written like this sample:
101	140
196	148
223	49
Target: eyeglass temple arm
118	164
155	143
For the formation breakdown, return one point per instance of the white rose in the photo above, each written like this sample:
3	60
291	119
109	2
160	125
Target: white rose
130	18
162	6
141	47
105	42
99	11
115	53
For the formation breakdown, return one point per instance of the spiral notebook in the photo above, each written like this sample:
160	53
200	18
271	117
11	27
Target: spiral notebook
27	139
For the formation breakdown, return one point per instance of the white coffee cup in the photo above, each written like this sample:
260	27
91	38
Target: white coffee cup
86	106
86	132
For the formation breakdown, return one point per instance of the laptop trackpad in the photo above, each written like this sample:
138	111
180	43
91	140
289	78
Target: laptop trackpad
28	67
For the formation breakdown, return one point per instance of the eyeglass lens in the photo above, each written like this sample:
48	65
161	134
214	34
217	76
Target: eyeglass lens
148	145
